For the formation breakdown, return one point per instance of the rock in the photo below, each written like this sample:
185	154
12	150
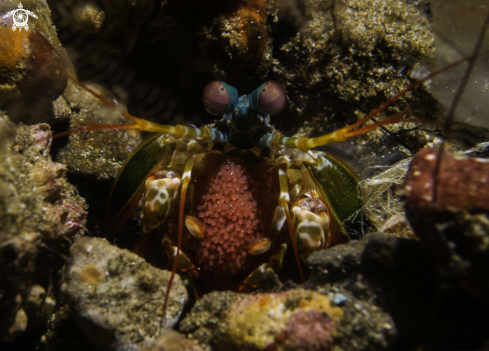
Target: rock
32	62
116	297
99	154
20	323
352	50
39	210
292	320
172	340
43	200
376	269
259	320
400	276
237	45
204	319
450	214
93	159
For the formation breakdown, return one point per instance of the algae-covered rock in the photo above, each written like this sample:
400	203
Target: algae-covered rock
171	340
237	46
291	320
381	268
450	214
434	206
357	47
341	59
39	210
116	297
96	154
400	276
204	319
32	60
259	320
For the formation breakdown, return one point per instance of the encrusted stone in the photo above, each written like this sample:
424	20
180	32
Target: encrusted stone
116	297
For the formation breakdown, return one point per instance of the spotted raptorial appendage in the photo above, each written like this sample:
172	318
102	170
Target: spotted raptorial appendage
160	193
311	224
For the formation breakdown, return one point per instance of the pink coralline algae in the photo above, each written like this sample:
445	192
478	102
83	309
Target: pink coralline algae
307	331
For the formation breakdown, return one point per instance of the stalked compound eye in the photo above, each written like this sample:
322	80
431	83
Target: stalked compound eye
268	99
219	98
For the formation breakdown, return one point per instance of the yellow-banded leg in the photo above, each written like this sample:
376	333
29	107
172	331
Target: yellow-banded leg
283	166
278	222
187	172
